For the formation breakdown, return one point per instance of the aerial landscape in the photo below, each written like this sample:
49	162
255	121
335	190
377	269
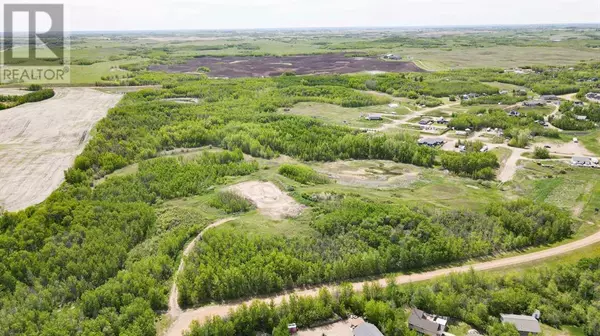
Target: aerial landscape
281	179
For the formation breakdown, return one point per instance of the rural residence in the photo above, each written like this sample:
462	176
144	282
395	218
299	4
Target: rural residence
526	325
427	324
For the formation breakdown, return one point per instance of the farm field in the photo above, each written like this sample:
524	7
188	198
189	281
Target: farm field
39	141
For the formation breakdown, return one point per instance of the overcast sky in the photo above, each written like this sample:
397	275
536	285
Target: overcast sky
103	15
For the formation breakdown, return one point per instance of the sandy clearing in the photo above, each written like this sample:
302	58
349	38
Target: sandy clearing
341	328
13	92
269	200
567	149
201	314
174	308
39	141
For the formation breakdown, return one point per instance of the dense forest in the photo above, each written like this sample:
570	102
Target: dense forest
565	295
356	238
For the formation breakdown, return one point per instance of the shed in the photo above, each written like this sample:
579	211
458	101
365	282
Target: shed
525	324
582	161
366	329
533	103
549	97
374	117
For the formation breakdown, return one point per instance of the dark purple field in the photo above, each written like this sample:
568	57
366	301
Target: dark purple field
268	66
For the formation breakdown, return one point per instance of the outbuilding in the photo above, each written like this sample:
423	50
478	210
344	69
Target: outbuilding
374	117
526	325
366	329
426	324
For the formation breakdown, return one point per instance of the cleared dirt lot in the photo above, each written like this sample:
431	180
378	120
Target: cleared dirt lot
39	141
275	66
269	200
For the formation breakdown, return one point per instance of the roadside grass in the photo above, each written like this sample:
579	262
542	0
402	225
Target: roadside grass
90	74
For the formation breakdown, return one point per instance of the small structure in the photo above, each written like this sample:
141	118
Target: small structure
503	92
581	161
578	104
534	103
442	121
392	57
525	324
366	329
462	133
431	142
427	324
374	117
393	105
514	113
425	122
292	328
581	117
549	97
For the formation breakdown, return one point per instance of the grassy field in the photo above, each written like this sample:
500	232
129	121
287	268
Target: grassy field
354	117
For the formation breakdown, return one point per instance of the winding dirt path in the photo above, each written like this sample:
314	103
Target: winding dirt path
184	320
404	119
174	309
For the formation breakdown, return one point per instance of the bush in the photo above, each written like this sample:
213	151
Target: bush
541	153
231	202
34	87
302	174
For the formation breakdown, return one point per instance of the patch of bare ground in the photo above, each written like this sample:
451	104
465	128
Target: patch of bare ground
39	141
379	174
269	199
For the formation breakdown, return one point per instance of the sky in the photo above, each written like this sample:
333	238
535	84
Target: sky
121	15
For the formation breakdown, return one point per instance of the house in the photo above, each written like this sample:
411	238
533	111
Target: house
549	97
525	324
366	329
581	117
425	121
462	133
514	113
442	121
426	324
374	117
534	103
431	142
583	161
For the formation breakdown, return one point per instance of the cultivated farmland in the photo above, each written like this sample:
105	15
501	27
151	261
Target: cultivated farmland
39	141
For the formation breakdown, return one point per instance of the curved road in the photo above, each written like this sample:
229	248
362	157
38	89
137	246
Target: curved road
183	321
174	309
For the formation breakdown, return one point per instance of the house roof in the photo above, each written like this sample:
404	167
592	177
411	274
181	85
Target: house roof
431	141
417	319
367	329
581	159
523	323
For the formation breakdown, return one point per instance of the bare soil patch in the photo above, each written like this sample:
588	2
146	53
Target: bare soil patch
13	92
39	141
269	199
240	66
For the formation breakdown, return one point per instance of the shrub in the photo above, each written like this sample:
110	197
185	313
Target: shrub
541	153
231	202
302	174
34	87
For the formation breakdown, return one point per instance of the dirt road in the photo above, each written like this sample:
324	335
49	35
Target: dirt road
404	119
185	319
39	141
174	309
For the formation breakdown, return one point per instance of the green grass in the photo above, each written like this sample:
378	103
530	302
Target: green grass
591	141
257	224
573	331
334	114
459	329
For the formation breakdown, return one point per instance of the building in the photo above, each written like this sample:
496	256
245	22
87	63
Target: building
514	113
581	117
393	105
534	103
583	161
425	122
549	97
525	324
366	329
442	121
431	142
426	324
578	104
374	117
392	57
503	92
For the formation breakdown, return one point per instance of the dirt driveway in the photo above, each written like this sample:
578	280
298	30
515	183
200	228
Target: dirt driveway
269	199
39	141
201	314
